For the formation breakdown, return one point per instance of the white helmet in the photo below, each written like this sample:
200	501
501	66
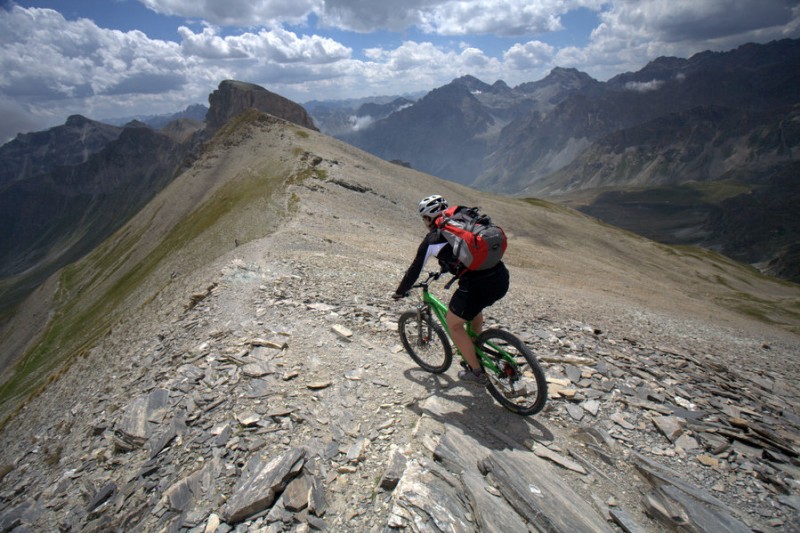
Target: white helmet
432	206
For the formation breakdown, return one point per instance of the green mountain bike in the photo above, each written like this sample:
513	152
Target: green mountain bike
515	378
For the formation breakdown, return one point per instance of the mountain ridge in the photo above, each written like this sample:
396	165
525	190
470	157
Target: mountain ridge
240	267
239	327
72	186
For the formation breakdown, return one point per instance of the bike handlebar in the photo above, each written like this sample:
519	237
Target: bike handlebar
432	276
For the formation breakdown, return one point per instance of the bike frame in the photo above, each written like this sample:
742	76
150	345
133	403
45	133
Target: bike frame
432	303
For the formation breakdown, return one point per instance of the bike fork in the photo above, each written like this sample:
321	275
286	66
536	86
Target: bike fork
423	320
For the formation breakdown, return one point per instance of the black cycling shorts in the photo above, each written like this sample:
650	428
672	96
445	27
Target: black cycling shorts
478	290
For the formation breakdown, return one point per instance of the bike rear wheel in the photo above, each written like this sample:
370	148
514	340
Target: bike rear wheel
520	384
425	342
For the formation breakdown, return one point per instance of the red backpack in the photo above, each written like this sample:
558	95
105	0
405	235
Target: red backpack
477	243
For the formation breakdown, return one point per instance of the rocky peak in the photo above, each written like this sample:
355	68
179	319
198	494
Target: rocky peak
472	83
452	92
233	97
136	124
192	112
77	121
501	87
31	154
563	78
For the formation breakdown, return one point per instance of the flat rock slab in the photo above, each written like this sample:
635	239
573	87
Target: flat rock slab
394	470
183	494
491	512
142	416
295	497
257	388
524	490
342	332
261	483
670	426
459	452
540	495
547	453
682	506
429	498
257	369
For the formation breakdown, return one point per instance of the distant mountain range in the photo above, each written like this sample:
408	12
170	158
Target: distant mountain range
341	117
52	196
66	189
685	151
729	121
517	139
196	112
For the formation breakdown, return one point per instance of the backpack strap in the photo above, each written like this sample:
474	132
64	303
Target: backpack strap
444	216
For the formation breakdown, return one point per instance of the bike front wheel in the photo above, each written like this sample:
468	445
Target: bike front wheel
519	384
425	342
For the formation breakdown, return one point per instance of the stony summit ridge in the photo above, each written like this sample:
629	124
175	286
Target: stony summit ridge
230	362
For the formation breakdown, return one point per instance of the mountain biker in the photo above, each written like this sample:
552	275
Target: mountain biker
476	289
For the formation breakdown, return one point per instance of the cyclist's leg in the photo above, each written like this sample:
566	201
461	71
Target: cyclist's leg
462	309
489	291
467	304
474	295
477	323
461	339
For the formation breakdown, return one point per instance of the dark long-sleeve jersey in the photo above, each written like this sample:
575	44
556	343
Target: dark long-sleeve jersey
433	245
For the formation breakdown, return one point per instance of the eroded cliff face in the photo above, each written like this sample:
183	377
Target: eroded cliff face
73	143
233	97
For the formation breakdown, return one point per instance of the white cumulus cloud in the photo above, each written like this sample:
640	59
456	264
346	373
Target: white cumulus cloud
529	55
53	67
240	13
50	64
513	18
631	33
644	86
276	45
360	123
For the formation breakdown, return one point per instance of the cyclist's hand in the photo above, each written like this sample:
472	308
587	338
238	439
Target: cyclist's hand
398	296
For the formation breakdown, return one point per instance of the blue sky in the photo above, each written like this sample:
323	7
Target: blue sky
116	58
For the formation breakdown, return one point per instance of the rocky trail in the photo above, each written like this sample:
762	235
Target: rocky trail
266	389
277	397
